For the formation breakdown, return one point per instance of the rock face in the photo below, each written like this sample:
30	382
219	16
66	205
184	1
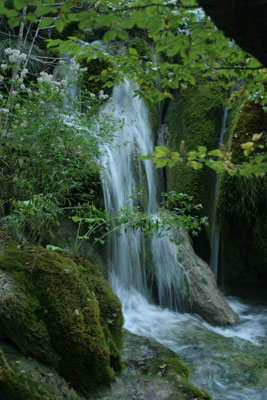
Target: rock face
152	372
61	313
241	207
206	298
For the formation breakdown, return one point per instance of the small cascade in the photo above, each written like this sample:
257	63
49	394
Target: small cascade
136	263
215	229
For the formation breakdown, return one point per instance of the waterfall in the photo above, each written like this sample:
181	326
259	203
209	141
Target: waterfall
211	353
147	266
215	229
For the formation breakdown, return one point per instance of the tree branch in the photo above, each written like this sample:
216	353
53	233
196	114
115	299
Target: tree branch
240	68
138	7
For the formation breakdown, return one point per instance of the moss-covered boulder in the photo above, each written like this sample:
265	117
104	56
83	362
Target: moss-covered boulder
22	378
152	372
241	207
60	312
195	117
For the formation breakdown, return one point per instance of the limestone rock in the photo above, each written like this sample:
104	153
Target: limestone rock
206	298
152	372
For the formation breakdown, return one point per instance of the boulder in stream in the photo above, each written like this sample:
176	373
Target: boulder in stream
152	371
206	298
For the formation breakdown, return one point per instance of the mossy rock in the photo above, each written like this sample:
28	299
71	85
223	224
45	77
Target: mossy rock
195	117
241	207
60	312
152	372
23	378
248	119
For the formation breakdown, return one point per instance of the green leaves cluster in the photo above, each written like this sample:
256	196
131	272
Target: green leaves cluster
220	160
177	209
186	40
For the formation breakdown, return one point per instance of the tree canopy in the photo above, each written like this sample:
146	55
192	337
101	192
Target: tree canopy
183	45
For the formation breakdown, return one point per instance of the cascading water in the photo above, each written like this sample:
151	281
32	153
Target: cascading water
122	172
216	356
215	229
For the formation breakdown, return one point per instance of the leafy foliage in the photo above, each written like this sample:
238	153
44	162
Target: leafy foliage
183	37
48	149
177	209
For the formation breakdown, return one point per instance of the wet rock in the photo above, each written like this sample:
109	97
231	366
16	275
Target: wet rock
206	299
151	372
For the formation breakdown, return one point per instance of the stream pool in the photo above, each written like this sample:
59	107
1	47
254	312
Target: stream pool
230	362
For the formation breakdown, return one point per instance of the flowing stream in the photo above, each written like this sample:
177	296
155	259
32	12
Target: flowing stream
222	360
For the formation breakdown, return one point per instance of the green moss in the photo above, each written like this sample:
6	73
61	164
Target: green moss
176	372
60	314
22	378
175	365
195	117
249	119
241	206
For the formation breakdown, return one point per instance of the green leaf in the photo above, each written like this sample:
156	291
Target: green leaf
19	4
133	51
202	149
44	10
76	219
171	163
147	157
215	153
46	21
161	151
53	42
90	220
11	13
13	22
101	241
59	24
110	35
160	162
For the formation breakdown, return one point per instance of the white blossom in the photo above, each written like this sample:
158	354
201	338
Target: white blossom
205	221
24	72
4	110
64	83
24	124
45	77
102	95
1	78
8	51
3	66
22	86
17	106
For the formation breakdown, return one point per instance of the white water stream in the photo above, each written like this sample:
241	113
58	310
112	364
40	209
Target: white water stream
215	229
220	359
